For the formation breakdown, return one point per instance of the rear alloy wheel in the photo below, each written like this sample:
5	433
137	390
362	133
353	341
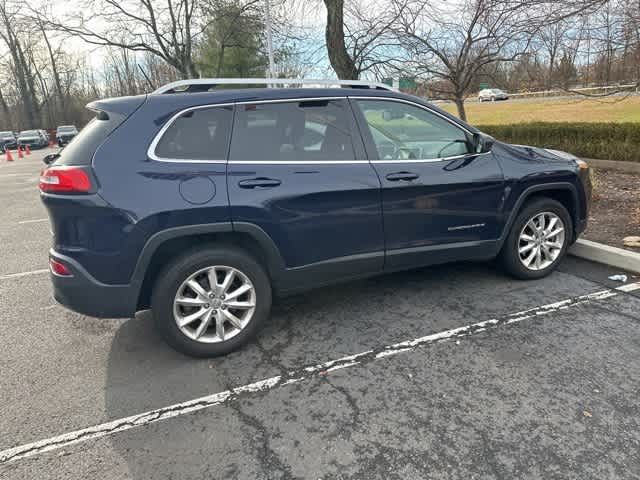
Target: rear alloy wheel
214	304
211	301
538	239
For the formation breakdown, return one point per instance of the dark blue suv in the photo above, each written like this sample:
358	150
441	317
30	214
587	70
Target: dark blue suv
201	204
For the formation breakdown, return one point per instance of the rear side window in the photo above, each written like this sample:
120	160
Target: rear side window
201	134
296	131
80	151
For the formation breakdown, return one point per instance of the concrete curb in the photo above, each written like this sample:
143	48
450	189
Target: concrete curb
618	166
601	253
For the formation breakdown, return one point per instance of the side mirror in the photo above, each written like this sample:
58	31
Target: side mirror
49	159
482	143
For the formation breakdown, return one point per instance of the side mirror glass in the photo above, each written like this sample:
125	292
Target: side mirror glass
487	143
482	143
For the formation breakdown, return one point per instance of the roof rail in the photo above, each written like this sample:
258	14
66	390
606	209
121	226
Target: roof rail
205	84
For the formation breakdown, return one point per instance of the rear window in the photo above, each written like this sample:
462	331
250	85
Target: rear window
80	151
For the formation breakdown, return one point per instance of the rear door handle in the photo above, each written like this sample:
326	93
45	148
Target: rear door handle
260	182
397	176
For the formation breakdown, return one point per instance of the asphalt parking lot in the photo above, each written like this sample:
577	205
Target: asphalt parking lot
450	372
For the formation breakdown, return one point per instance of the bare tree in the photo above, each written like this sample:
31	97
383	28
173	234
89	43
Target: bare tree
165	28
553	37
340	59
359	36
452	46
12	34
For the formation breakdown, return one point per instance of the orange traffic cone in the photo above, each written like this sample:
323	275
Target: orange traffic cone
27	150
20	152
9	156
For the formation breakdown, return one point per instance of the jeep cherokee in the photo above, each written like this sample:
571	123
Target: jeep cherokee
203	204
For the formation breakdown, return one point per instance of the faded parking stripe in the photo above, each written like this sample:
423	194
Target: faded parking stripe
23	274
293	376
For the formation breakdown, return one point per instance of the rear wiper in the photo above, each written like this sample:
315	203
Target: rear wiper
49	159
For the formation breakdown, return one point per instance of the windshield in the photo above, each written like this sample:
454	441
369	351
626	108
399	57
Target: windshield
6	134
29	133
66	129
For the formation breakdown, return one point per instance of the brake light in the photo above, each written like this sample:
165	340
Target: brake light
65	179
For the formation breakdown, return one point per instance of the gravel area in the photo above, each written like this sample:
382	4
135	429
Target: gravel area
615	211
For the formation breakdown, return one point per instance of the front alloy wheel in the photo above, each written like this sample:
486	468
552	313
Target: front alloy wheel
541	240
537	240
214	304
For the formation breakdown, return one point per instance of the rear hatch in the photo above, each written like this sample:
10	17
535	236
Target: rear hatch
82	222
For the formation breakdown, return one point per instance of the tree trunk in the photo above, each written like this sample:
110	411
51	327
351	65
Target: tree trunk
6	113
220	60
61	101
341	62
459	101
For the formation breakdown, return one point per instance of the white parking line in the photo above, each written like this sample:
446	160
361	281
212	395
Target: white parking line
23	274
293	376
26	174
37	220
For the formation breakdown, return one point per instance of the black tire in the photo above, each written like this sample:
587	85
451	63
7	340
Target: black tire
509	257
178	270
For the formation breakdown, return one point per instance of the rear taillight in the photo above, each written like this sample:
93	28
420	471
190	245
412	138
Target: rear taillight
59	268
65	179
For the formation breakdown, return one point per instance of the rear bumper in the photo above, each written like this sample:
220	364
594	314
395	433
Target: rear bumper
84	294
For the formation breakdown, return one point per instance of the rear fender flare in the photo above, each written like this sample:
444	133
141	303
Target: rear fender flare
275	263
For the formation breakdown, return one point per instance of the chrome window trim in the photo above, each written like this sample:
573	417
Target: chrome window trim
431	160
151	150
297	162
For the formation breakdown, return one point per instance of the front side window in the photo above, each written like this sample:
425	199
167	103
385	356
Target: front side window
400	131
201	134
311	130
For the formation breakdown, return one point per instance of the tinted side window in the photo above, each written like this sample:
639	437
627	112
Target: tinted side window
201	134
296	131
400	131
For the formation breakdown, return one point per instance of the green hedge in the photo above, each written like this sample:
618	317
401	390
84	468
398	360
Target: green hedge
608	141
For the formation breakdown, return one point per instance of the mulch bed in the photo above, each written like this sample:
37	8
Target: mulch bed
615	210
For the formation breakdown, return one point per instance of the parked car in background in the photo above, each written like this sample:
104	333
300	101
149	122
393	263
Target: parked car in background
492	94
32	138
8	140
65	133
224	198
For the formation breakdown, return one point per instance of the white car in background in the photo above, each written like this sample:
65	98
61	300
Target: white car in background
492	94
